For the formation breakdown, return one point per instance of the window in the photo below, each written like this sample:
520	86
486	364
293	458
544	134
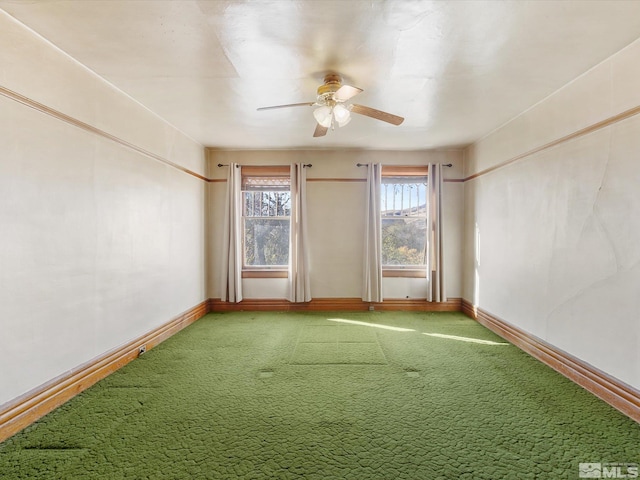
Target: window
403	206
266	210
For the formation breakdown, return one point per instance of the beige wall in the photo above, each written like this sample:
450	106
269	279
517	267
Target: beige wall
552	240
336	213
99	243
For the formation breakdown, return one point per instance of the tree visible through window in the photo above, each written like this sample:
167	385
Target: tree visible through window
403	207
266	220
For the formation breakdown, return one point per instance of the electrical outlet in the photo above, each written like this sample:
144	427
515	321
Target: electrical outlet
142	349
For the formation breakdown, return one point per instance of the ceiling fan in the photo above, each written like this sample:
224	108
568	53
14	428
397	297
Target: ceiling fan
332	109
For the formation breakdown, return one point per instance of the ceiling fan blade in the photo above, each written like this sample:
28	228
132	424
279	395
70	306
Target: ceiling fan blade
377	114
345	92
305	104
320	131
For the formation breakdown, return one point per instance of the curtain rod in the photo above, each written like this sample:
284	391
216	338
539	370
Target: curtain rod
237	166
366	164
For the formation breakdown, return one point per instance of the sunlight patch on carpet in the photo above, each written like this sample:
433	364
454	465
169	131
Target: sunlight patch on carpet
465	339
374	325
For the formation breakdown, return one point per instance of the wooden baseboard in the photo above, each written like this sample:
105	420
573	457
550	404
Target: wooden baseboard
619	395
26	409
469	310
335	304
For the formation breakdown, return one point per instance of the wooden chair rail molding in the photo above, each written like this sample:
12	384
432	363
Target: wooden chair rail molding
23	411
28	102
571	136
619	395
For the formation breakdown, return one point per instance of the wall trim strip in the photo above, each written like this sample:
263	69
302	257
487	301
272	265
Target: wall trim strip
323	179
578	133
343	180
26	409
619	395
336	304
91	129
28	102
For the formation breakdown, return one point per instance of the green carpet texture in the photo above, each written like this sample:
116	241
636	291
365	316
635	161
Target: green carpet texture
327	396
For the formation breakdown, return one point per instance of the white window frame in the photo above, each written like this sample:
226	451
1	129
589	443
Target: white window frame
411	271
282	174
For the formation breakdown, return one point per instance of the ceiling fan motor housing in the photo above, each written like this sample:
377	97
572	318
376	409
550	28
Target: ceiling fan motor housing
332	83
331	100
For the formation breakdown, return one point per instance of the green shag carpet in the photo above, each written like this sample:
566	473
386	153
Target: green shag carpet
393	395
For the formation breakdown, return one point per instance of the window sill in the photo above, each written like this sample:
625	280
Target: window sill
265	273
405	272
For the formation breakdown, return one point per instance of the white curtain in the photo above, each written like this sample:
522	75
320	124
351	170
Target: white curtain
299	284
372	272
231	281
435	236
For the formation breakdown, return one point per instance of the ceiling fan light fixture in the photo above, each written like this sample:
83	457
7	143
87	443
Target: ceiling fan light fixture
323	116
342	124
341	114
332	109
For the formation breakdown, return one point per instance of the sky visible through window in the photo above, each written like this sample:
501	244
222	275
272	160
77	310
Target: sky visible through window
403	196
403	208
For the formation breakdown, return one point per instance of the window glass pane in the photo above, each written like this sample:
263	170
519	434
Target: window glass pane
403	241
403	205
401	199
266	210
265	183
267	204
266	241
404	179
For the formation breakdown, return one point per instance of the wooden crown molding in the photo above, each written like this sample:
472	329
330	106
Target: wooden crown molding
619	395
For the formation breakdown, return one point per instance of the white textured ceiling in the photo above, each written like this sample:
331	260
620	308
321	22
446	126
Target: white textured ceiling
454	69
